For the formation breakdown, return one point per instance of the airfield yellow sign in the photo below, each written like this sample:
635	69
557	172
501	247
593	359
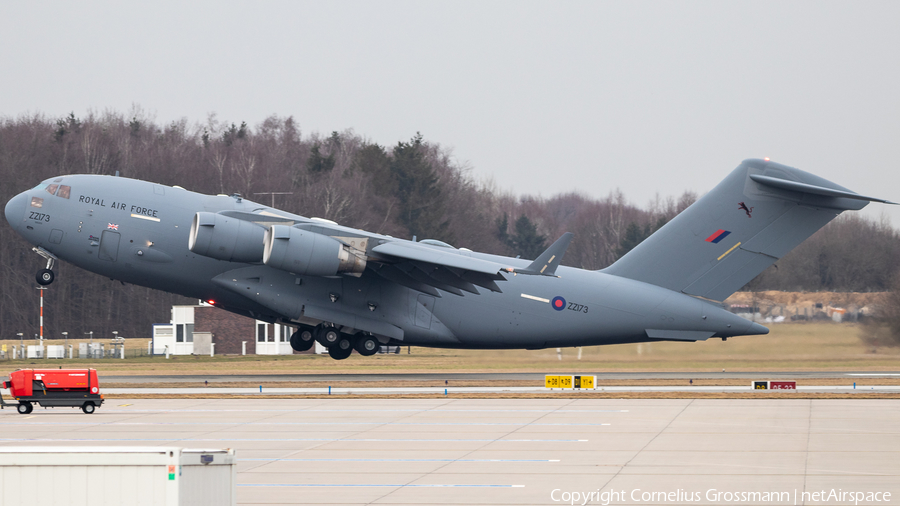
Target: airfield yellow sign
570	382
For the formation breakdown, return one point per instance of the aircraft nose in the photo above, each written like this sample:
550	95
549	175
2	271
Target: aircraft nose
15	210
756	330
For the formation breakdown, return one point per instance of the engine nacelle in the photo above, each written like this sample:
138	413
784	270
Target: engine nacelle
224	238
304	252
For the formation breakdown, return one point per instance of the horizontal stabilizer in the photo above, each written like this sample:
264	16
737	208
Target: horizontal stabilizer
549	260
785	184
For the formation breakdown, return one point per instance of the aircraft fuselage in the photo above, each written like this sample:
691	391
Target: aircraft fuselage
138	232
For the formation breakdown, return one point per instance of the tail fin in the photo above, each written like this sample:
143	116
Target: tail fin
761	211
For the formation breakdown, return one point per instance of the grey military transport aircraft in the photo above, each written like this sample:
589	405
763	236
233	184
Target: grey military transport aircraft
351	289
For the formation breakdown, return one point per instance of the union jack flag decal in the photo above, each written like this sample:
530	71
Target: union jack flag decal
112	226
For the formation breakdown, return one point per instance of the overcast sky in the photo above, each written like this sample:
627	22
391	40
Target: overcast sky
542	97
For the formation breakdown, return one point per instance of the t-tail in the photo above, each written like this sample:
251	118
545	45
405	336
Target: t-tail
759	213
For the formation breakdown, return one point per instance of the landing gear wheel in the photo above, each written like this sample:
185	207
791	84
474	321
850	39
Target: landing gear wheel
88	407
302	340
45	277
25	407
327	336
341	349
366	345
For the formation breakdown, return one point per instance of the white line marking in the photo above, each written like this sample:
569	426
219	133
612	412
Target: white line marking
370	440
390	460
341	485
148	218
532	297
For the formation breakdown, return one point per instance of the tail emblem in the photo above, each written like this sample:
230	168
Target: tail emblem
717	236
747	210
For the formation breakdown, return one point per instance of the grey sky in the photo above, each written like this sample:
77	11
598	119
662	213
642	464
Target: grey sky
543	97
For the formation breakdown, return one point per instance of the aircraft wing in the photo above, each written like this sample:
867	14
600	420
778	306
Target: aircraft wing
427	268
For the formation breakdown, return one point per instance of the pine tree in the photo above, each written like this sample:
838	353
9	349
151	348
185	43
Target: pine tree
421	202
527	242
317	164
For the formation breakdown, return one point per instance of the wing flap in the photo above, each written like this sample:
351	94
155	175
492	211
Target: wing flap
434	255
391	273
426	268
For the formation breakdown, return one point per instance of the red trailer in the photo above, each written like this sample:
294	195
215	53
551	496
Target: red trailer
54	387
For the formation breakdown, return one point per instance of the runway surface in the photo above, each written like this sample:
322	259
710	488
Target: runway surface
469	451
845	389
788	375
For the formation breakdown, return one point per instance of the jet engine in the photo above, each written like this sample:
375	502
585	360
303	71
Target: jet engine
224	238
304	252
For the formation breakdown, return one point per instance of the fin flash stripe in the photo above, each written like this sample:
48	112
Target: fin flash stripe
717	236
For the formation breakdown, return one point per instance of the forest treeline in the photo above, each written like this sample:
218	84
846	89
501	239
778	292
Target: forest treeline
413	188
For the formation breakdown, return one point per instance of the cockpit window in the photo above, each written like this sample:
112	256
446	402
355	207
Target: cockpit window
64	191
37	202
51	189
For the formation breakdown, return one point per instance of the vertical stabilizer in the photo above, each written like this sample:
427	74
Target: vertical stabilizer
761	211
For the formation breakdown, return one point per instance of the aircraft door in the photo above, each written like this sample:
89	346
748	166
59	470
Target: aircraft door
423	311
109	245
56	236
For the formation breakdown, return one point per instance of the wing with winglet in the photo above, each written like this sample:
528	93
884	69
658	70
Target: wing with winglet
310	247
549	260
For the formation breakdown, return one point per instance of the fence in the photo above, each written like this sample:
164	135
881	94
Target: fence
81	351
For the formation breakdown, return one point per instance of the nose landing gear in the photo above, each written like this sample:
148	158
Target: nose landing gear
45	276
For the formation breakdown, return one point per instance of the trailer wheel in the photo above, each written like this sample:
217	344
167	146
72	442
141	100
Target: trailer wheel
88	407
25	407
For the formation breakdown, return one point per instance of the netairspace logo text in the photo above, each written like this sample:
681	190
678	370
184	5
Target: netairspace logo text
715	496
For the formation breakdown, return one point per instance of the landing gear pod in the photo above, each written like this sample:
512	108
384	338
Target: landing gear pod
224	238
304	252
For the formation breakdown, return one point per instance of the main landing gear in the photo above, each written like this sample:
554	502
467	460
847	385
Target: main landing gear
339	344
45	276
302	339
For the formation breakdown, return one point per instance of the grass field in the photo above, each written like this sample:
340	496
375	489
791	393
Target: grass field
789	347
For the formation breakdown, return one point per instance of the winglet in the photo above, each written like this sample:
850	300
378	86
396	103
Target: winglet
548	261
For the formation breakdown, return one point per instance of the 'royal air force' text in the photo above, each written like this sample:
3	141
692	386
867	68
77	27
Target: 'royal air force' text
118	205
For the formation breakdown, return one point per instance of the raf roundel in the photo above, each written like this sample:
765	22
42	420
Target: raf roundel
558	303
